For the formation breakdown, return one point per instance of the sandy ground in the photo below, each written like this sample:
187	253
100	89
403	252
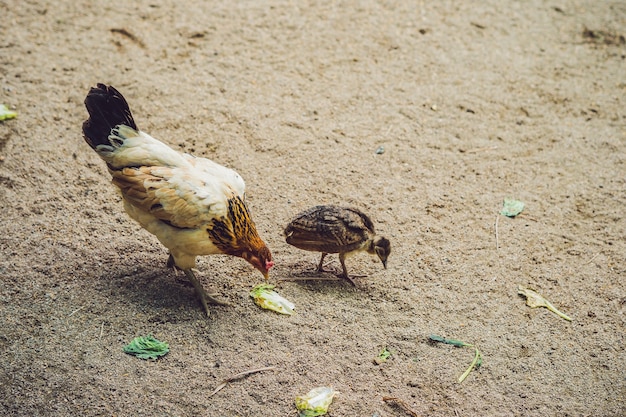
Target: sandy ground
471	101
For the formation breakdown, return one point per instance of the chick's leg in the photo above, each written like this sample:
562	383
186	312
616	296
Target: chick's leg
342	259
205	298
320	267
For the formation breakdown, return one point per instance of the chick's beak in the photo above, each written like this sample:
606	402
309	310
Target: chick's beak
383	259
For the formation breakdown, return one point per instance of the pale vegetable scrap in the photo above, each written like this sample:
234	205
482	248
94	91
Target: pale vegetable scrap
316	402
264	296
6	113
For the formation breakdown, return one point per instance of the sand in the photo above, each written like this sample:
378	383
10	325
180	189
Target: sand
425	115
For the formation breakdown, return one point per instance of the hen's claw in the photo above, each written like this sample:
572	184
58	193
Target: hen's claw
205	297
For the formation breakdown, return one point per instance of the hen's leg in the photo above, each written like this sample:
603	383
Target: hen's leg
171	263
205	298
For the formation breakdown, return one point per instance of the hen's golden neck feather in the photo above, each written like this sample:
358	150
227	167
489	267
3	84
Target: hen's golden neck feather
236	231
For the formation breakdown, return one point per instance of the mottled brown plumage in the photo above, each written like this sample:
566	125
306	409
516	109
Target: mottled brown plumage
192	205
334	229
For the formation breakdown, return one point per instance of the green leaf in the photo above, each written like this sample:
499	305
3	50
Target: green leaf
453	342
146	347
478	358
511	207
384	355
6	114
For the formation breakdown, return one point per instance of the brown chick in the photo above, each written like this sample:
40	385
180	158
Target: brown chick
192	205
333	229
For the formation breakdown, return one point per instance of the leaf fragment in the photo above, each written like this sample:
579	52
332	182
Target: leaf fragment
265	297
478	358
146	347
511	207
534	300
383	356
315	402
453	342
6	113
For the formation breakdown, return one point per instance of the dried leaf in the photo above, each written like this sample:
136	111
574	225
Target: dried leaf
265	297
534	300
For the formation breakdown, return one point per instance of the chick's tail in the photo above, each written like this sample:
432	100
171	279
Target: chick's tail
107	109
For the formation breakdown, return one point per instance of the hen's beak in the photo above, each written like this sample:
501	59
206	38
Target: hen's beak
268	266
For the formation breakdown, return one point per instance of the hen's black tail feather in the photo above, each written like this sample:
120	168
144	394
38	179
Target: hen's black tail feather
107	108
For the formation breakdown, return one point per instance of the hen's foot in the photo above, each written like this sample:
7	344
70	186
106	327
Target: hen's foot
205	297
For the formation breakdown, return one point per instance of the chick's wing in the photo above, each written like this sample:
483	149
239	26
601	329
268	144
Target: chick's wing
324	232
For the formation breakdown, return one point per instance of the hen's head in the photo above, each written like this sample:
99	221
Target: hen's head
261	258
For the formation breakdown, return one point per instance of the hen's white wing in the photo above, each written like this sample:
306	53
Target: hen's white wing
181	189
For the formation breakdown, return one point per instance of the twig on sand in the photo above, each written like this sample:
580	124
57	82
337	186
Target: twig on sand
77	310
401	404
592	258
290	279
476	150
497	240
239	376
101	331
